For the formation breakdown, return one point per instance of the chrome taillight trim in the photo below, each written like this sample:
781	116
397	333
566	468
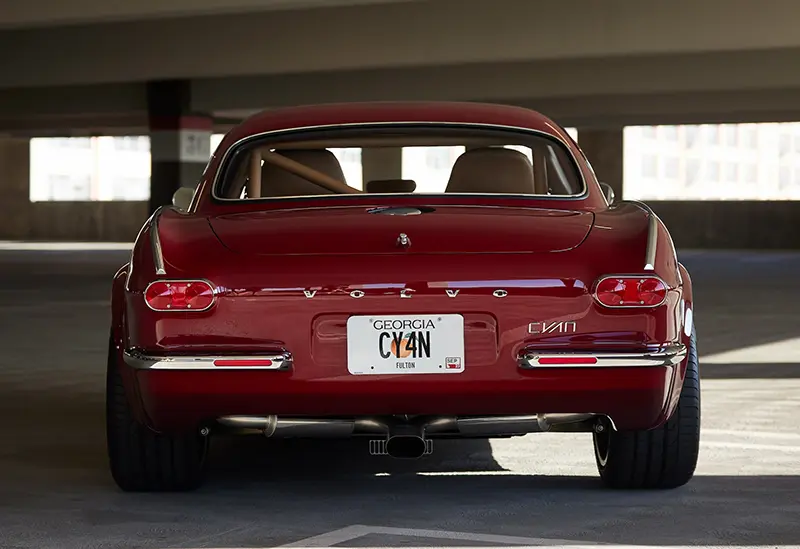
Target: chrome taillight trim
652	235
155	243
652	243
141	361
189	280
640	276
665	355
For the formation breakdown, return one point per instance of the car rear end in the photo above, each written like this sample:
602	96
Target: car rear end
433	328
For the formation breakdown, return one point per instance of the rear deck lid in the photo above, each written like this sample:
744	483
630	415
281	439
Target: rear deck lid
428	230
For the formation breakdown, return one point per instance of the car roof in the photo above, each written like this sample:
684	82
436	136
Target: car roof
333	114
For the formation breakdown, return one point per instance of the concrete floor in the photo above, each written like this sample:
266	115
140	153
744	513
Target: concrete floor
55	490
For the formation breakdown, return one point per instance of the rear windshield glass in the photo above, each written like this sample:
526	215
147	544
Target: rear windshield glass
425	159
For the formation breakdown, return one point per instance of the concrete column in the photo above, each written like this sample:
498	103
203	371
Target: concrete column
15	182
604	150
381	163
180	140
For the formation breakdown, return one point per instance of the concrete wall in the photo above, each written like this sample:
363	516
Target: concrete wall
77	221
730	224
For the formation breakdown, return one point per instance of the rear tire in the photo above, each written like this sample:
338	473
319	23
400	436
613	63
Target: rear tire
142	460
660	458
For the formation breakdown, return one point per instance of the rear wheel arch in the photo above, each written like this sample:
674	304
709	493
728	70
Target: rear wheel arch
664	457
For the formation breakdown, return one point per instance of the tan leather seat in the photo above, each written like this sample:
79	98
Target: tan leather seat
276	181
492	170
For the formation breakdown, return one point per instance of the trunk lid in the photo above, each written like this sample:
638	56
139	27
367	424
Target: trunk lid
430	230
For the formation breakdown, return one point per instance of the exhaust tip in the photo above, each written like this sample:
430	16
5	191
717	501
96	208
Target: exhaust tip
406	446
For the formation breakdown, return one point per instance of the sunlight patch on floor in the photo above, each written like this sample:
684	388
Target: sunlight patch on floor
778	352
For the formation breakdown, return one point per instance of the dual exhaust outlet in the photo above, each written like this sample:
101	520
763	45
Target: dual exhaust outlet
409	439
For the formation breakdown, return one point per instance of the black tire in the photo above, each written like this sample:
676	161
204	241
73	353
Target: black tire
660	458
142	460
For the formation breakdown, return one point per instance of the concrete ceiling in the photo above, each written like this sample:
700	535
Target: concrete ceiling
18	14
585	62
395	35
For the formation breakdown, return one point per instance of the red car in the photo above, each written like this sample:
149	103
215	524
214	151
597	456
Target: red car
507	295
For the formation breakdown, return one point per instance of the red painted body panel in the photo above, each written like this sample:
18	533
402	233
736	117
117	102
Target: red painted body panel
457	229
547	254
635	397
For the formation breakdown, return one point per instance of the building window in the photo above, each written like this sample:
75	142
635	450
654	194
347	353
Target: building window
72	142
751	174
713	171
731	135
693	172
132	143
713	134
785	144
68	188
784	177
438	158
670	132
672	168
130	188
650	166
731	172
693	134
750	135
715	162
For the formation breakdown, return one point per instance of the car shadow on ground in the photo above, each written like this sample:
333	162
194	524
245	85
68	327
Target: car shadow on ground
233	458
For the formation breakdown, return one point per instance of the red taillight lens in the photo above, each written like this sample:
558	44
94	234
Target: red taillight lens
239	362
179	295
631	291
566	360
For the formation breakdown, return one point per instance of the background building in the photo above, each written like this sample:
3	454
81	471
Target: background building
706	162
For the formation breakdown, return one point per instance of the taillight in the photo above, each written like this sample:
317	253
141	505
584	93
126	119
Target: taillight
179	295
630	291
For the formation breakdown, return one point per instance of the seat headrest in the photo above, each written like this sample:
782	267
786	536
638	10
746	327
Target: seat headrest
491	170
391	186
276	181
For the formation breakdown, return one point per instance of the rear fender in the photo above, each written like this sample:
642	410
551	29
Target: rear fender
686	321
187	244
118	343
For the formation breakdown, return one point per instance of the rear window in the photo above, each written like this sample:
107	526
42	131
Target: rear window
412	159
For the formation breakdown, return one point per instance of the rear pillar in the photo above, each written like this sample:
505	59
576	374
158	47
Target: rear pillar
15	184
180	140
604	150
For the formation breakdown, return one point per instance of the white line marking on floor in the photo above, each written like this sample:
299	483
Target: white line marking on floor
330	539
562	546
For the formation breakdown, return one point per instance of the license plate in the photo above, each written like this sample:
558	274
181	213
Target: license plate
405	344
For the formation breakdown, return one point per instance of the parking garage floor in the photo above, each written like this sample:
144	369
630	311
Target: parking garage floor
55	490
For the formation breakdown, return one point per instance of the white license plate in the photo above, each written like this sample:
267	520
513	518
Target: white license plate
405	344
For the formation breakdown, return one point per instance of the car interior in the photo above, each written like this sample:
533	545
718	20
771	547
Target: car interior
535	166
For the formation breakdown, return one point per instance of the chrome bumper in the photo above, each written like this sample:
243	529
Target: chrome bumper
666	355
140	361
